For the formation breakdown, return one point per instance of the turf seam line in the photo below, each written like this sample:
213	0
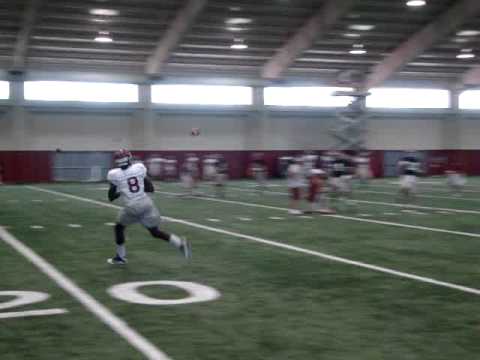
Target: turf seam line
333	258
343	217
95	307
406	206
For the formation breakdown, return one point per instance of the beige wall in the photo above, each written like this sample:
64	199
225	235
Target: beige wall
136	129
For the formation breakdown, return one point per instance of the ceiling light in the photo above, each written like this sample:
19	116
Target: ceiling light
235	8
361	27
415	3
466	54
352	35
238	21
461	40
235	28
103	37
238	44
104	12
358	49
468	33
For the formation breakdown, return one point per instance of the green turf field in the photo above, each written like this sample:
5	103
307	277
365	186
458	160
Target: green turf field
289	302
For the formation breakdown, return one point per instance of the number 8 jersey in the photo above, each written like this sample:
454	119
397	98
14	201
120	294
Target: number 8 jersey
130	182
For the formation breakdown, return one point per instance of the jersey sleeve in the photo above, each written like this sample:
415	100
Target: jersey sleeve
142	169
112	177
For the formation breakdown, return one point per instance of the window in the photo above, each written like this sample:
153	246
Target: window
396	98
469	100
202	94
305	96
80	91
4	90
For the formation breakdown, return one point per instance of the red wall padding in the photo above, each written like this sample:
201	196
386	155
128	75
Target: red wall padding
26	166
36	166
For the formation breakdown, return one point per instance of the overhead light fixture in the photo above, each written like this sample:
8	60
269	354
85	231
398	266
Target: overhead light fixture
238	44
468	33
460	40
352	35
104	12
358	49
235	28
103	37
238	21
416	3
361	27
466	54
235	8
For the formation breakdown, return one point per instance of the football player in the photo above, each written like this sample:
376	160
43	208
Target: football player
258	170
341	177
409	169
190	173
363	171
295	183
129	182
221	175
456	180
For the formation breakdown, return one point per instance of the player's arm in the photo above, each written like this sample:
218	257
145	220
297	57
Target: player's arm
149	188
112	193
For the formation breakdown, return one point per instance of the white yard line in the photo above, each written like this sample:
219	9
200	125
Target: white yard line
394	193
22	314
99	310
406	206
298	249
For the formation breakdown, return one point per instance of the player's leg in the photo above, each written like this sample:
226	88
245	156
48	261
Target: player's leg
151	220
124	218
294	201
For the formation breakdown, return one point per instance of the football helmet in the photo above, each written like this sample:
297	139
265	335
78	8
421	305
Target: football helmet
122	158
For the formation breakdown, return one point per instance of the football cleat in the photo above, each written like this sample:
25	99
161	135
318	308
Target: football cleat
117	260
186	248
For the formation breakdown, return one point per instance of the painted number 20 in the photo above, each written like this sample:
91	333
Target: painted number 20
22	298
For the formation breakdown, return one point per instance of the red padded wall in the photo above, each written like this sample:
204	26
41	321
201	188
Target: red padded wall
26	166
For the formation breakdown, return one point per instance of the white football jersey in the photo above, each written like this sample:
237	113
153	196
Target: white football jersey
295	176
130	182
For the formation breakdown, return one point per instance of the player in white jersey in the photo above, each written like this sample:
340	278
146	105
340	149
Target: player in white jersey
130	183
295	183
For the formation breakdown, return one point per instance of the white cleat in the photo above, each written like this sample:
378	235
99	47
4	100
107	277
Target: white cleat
186	248
117	260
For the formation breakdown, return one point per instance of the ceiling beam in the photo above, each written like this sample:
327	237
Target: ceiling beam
24	35
422	40
304	38
173	35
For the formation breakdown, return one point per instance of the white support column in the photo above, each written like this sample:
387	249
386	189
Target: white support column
141	126
452	122
19	115
256	123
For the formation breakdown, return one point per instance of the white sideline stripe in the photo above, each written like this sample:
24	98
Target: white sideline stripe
380	222
384	270
384	193
406	206
100	311
419	195
18	314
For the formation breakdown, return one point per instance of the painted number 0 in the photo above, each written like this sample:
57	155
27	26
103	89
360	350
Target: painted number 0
133	184
22	298
129	292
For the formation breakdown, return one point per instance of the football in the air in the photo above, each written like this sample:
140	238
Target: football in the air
195	132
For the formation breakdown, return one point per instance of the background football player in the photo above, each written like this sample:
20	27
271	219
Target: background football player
295	183
258	170
409	169
129	182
